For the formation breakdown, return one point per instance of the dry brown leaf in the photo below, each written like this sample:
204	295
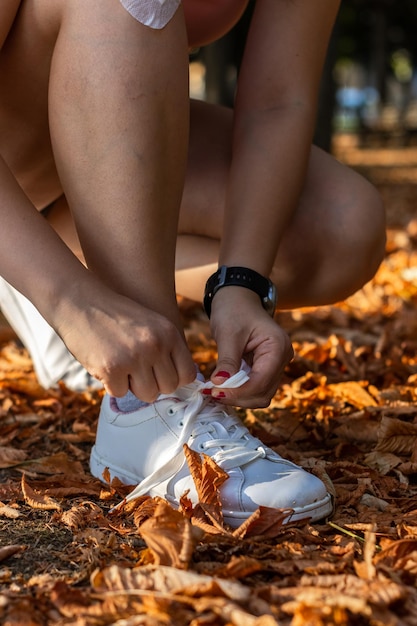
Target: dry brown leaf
207	475
407	469
83	515
383	462
304	615
366	568
68	488
407	531
58	463
239	567
170	536
231	613
353	393
264	522
16	356
203	519
73	603
10	457
326	602
36	500
396	436
27	386
358	429
167	580
8	551
8	511
397	550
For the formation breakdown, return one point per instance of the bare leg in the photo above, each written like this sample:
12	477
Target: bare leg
333	245
123	174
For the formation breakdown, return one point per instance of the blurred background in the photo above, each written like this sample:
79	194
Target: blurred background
370	82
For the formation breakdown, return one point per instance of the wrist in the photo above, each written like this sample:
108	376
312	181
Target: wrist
79	296
240	277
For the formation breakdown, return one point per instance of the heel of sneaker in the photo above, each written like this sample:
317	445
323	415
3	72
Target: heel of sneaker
98	465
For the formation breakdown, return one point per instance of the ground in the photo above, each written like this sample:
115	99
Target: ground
346	411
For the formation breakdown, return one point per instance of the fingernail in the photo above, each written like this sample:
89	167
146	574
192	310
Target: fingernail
206	392
219	394
222	374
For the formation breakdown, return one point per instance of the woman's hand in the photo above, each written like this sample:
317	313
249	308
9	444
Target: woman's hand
127	346
243	329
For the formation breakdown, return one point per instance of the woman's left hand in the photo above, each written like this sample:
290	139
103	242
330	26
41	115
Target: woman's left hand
242	329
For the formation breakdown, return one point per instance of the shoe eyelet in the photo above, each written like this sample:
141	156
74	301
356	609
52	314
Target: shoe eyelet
171	411
181	424
201	447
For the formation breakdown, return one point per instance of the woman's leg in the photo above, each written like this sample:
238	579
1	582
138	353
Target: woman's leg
119	127
332	246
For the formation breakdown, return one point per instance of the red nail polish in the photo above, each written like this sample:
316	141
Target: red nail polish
206	392
220	394
223	374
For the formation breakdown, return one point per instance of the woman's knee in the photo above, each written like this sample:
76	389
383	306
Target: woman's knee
373	230
357	246
334	244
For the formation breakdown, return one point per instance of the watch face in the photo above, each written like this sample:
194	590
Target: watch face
270	302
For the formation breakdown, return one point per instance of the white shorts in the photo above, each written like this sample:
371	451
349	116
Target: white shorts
153	13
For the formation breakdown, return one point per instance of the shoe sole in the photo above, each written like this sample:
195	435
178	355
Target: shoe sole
314	512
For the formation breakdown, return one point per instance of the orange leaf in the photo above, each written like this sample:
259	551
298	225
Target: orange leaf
168	580
208	478
353	393
265	522
170	536
207	475
36	500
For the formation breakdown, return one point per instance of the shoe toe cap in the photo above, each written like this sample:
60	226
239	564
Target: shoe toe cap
279	487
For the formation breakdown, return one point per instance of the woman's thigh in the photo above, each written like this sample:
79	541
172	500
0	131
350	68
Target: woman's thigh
25	61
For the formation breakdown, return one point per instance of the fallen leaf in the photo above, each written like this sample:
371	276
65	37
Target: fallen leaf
170	536
8	551
36	500
396	436
10	457
167	580
353	393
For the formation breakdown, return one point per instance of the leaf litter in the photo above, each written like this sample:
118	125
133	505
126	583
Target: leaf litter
346	411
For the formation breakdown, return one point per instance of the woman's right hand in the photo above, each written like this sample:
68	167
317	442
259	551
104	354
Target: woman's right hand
127	346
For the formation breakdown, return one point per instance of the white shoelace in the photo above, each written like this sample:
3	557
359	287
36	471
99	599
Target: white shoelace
202	414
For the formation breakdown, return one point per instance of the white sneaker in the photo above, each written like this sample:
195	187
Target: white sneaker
145	446
51	359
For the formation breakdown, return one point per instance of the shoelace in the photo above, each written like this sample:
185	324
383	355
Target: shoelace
202	414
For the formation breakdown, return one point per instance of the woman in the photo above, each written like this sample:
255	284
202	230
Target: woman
96	126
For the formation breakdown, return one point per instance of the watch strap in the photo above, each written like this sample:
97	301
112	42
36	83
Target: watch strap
239	277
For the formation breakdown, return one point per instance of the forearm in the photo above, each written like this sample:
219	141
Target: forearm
275	116
271	151
32	257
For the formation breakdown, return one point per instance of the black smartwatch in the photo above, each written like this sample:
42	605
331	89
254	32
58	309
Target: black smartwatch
241	277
